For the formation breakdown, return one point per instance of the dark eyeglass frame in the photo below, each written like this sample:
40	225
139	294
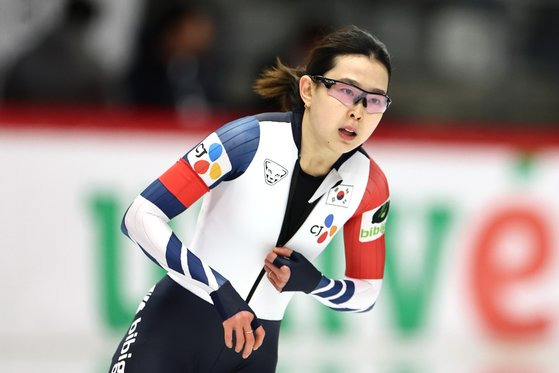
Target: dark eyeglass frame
328	83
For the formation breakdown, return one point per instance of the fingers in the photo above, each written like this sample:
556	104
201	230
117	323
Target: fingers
277	276
271	256
246	340
228	335
281	274
239	338
259	334
249	343
271	277
283	251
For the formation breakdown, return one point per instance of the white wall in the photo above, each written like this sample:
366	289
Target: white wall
470	301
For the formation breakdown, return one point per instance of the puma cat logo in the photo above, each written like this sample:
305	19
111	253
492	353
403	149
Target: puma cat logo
273	172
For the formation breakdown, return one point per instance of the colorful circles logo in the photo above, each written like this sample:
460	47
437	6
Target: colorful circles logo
330	229
202	166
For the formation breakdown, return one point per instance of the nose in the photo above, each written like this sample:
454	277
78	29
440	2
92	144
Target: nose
356	111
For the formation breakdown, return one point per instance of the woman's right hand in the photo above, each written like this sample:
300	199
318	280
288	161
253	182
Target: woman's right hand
246	339
237	317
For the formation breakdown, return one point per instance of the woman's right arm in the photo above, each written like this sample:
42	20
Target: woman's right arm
146	224
223	155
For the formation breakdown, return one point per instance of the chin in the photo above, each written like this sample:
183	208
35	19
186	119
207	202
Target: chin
345	147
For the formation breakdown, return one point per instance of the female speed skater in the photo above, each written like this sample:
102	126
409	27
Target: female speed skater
277	187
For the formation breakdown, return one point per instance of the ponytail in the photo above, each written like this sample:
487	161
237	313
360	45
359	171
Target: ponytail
281	83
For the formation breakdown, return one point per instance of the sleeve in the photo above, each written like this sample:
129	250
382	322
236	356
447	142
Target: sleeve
364	252
223	155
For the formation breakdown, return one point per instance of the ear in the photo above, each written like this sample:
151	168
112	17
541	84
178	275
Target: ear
306	89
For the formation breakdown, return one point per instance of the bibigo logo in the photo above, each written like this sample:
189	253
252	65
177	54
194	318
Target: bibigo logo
373	223
326	230
125	351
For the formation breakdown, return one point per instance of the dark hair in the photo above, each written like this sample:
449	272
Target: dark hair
281	82
80	13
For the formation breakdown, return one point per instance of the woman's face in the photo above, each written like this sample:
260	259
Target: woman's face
332	124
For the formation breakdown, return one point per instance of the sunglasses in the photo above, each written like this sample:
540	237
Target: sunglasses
350	95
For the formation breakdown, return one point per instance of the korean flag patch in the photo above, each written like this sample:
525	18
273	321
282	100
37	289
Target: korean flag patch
209	159
373	223
340	195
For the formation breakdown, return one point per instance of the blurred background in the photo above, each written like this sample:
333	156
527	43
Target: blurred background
483	60
99	97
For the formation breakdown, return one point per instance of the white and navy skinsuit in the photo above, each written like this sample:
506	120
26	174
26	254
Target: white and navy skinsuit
249	172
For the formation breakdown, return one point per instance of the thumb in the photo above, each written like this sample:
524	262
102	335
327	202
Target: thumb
283	251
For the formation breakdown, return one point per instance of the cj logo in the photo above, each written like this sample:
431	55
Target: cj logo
326	230
202	166
210	159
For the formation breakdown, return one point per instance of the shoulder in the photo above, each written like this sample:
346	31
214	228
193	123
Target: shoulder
279	117
236	142
376	192
239	131
248	128
378	179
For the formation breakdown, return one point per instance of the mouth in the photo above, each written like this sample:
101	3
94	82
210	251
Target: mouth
347	132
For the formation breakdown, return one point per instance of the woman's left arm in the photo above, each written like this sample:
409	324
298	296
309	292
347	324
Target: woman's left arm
364	255
289	270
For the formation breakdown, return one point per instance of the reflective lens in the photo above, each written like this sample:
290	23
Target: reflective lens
350	95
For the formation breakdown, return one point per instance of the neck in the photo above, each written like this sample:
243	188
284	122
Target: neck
316	158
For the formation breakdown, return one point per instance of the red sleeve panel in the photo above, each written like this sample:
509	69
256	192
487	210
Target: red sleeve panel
364	232
184	183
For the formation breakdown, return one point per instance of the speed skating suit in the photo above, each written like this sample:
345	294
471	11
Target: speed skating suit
245	170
